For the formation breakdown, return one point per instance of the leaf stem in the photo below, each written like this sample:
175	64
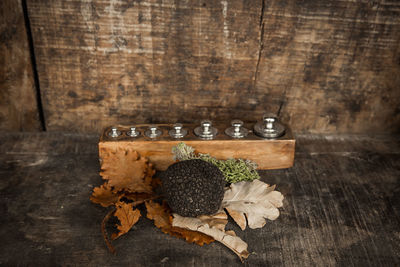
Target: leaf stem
138	202
104	231
108	216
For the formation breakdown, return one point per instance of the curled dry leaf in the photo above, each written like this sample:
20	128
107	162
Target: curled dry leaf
228	238
257	200
129	178
126	170
161	214
217	220
127	217
104	195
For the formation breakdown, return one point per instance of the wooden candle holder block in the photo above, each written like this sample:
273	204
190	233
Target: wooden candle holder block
267	153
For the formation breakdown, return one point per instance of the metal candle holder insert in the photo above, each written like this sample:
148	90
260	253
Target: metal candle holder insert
268	128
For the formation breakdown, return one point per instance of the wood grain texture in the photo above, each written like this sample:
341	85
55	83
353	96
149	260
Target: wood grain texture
267	153
18	105
330	66
341	208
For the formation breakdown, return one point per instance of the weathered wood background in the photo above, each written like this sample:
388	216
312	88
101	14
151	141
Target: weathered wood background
18	106
322	66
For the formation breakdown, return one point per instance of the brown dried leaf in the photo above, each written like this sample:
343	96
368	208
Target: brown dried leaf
156	182
256	200
161	214
217	220
104	195
126	170
238	217
229	239
127	217
190	236
138	197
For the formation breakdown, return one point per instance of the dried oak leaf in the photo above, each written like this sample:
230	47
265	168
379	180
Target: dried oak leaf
126	170
217	220
127	217
228	238
137	197
104	195
155	182
257	200
161	214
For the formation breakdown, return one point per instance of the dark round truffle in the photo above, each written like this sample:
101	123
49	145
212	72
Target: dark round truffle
193	187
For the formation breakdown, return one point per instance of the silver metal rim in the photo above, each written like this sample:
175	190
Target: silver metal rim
231	132
110	134
148	133
173	134
279	130
198	132
136	134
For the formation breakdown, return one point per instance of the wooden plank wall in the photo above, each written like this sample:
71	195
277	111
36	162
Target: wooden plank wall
18	104
322	66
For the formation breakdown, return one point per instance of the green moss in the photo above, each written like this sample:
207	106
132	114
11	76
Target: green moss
234	170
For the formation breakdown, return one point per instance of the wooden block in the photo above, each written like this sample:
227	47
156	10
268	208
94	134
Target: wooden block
267	153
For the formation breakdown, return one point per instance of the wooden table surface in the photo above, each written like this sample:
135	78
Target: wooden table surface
341	208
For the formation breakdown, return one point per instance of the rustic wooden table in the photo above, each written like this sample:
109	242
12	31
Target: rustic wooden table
342	207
